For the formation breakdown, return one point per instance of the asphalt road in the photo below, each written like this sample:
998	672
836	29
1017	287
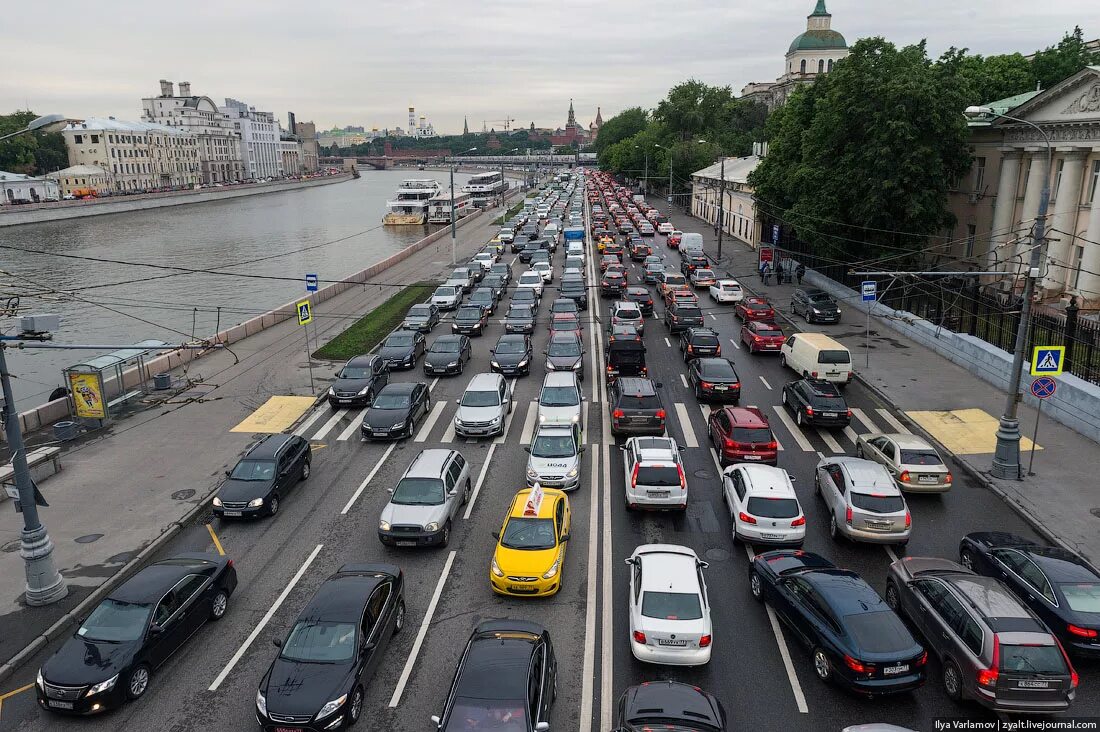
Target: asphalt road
332	518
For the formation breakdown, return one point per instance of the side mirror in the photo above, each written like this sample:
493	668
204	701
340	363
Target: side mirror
565	537
527	448
542	727
681	448
390	491
629	561
582	448
338	374
155	629
436	720
368	646
792	478
492	350
458	401
496	535
703	565
277	642
452	492
228	473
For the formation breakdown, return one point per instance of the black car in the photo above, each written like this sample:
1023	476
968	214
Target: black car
574	289
714	379
526	296
817	402
1057	585
612	284
855	639
448	355
358	381
564	305
565	352
506	679
816	306
642	296
485	297
270	468
511	356
134	630
502	269
422	317
660	705
396	410
402	348
470	320
528	251
694	262
520	319
497	283
681	315
700	342
636	407
333	650
530	232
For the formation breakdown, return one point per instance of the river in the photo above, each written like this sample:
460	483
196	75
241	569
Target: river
272	228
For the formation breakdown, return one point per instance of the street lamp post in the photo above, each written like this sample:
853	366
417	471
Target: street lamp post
1006	457
453	244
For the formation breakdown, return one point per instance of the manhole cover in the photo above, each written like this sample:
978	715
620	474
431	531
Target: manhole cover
1095	512
183	495
11	546
702	474
120	558
716	554
88	538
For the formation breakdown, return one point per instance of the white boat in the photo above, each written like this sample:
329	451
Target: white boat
439	206
410	207
486	187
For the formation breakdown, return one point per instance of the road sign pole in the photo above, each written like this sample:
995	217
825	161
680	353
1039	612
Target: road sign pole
867	337
1034	437
309	361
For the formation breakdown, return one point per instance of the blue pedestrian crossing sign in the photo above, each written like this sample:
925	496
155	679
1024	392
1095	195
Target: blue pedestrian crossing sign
305	312
1048	360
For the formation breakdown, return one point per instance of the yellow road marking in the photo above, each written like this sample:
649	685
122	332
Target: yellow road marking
276	414
9	694
217	544
318	446
965	431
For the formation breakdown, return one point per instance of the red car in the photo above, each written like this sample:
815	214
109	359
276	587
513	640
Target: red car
761	336
565	322
620	269
755	308
674	239
607	260
742	435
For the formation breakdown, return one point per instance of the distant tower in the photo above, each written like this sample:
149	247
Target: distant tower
465	125
412	119
572	121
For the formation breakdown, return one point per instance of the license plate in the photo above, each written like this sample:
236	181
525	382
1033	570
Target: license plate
639	419
657	494
751	457
344	401
288	729
771	536
378	433
771	345
232	513
1033	684
720	387
927	479
894	670
828	414
59	704
517	588
832	373
670	642
406	543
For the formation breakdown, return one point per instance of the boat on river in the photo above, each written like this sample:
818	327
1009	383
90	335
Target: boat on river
410	207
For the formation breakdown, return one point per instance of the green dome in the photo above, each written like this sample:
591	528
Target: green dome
817	40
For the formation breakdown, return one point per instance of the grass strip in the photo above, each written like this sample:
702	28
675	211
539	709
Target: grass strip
511	212
367	332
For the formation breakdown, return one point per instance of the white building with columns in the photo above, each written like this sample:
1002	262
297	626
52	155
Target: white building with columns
260	150
997	203
219	142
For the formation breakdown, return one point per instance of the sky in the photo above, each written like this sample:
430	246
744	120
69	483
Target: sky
345	62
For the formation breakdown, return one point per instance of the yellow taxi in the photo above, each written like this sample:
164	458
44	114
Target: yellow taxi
603	242
496	245
530	551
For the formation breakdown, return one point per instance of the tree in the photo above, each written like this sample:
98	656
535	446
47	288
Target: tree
692	108
32	154
990	78
626	123
1056	63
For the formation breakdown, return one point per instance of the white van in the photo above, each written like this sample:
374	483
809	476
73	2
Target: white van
574	249
691	240
817	356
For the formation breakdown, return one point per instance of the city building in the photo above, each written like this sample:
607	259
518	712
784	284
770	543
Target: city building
80	180
573	133
290	153
594	128
311	150
17	188
738	206
997	203
812	52
259	139
219	141
136	155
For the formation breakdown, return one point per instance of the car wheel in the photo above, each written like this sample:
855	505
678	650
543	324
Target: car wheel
952	680
798	417
466	493
137	682
822	667
305	470
356	707
859	451
892	599
409	431
834	531
817	484
446	535
219	605
783	397
966	558
399	621
809	318
273	506
756	587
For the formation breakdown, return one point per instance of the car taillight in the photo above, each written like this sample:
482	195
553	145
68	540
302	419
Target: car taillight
1073	678
904	477
745	518
705	384
229	563
849	413
813	374
855	665
851	374
809	411
800	521
639	636
848	515
773	445
691	349
704	641
1081	632
661	414
908	519
756	338
988	676
683	478
618	414
735	385
947	478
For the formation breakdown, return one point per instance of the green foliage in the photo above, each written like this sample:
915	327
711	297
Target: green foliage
370	330
625	124
989	78
31	154
1056	63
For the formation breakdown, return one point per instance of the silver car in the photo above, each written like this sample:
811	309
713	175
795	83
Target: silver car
864	504
560	399
555	457
447	297
914	464
483	407
425	502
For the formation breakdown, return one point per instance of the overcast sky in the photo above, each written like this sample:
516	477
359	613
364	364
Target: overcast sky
340	62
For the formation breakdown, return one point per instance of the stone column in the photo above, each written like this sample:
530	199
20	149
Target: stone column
1089	283
1004	208
1060	243
1038	174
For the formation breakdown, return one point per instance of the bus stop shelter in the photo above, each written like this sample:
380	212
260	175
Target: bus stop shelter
106	383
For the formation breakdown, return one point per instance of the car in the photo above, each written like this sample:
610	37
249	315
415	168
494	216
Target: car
864	504
531	279
512	355
1056	584
816	306
483	407
703	277
133	631
544	269
395	411
503	269
742	435
654	476
485	297
529	231
332	650
639	250
565	323
424	504
264	474
447	355
612	284
673	240
665	227
625	312
506	678
914	464
641	297
526	296
608	260
520	319
692	262
573	288
565	352
401	349
762	505
681	315
668	281
646	229
816	402
855	639
421	317
530	554
564	305
669	607
358	381
623	332
655	705
652	272
555	457
560	399
754	308
496	284
699	342
470	320
724	290
992	649
617	250
636	407
483	259
447	297
714	379
461	277
761	336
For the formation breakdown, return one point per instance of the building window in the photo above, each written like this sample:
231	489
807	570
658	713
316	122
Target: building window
95	139
1095	180
979	174
821	66
802	67
971	236
830	64
78	139
1058	167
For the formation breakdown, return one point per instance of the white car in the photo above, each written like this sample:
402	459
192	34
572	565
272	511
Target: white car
864	504
669	609
560	399
544	269
654	475
727	291
575	271
485	259
555	457
665	228
763	505
447	297
532	280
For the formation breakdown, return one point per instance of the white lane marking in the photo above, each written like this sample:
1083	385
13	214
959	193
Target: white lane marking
449	433
706	409
829	440
434	382
317	412
606	674
765	383
480	480
735	343
851	434
820	455
411	662
713	316
354	425
796	688
514	260
796	433
327	427
529	424
685	425
589	665
429	423
368	479
508	420
684	379
668	342
265	619
862	416
890	552
717	462
885	414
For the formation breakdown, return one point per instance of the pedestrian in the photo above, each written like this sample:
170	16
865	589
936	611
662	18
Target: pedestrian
766	273
800	272
760	270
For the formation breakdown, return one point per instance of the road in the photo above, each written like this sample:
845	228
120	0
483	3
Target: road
764	680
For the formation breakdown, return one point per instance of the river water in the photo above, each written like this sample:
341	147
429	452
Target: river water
266	231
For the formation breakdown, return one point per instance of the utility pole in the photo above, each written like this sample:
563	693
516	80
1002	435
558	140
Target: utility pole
721	205
453	243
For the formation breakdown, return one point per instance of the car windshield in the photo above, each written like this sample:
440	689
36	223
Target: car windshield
510	347
481	295
666	476
731	287
553	446
521	313
707	273
1082	597
477	714
879	632
1032	659
777	508
572	286
718	369
819	298
445	291
480	399
391	401
254	470
524	294
446	346
400	340
834	357
355	372
751	435
420	310
320	641
115	621
671	606
875	503
468	314
528	533
564	348
559	396
920	457
418	492
563	306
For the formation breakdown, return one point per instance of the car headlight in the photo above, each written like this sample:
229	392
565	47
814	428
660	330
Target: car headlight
101	686
38	679
261	703
522	363
576	418
383	525
816	311
332	391
838	311
550	365
431	526
256	503
364	390
573	473
494	364
452	364
577	365
398	426
553	568
331	706
532	473
217	502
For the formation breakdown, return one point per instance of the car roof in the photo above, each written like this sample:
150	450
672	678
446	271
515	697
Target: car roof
907	442
701	332
667	567
560	378
342	597
399	387
496	665
361	360
656	449
845	591
636	386
151	582
747	416
767	480
429	463
821	387
987	595
484	382
566	335
867	474
820	340
268	447
550	499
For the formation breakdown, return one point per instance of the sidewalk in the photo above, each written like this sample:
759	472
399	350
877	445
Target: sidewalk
1061	499
146	474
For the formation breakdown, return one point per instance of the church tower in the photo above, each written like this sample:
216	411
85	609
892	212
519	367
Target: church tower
571	123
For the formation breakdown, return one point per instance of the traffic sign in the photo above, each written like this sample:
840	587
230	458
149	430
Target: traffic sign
311	283
869	288
1048	360
775	233
305	312
1044	387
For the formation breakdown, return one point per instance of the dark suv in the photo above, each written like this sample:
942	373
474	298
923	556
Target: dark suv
268	470
358	381
698	342
816	306
683	315
636	407
816	402
694	262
